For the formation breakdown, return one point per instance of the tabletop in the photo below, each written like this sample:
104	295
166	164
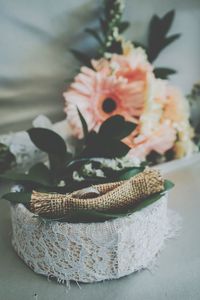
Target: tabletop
176	276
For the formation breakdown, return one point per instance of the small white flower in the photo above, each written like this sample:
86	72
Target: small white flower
61	183
116	33
88	169
100	173
108	44
77	177
126	162
17	188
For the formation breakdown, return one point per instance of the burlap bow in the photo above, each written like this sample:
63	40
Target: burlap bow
109	197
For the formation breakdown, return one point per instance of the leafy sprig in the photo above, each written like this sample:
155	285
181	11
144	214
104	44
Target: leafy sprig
106	36
158	38
51	143
58	175
112	25
106	143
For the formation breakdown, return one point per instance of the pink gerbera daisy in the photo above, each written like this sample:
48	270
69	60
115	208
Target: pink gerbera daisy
99	96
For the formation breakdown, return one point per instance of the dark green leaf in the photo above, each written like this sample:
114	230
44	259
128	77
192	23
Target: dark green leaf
48	141
168	185
107	148
116	127
157	39
116	47
113	123
40	173
137	44
170	40
95	34
115	148
84	124
128	174
82	57
123	26
167	21
164	73
107	142
103	24
20	197
16	177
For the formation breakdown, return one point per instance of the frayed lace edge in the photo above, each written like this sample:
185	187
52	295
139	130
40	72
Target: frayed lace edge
172	232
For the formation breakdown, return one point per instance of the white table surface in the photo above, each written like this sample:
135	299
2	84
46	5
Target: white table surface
176	277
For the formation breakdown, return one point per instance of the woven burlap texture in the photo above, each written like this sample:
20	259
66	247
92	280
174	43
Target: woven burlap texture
113	196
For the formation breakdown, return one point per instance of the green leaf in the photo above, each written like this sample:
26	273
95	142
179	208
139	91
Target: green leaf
103	25
20	197
40	173
168	185
106	148
84	124
116	47
137	44
170	40
123	26
167	21
48	141
82	57
128	174
94	33
116	127
16	177
114	148
107	142
164	73
157	39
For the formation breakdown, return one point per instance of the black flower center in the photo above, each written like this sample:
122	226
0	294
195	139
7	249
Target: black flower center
109	105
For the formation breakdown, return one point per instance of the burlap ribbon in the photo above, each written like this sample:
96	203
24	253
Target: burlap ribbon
112	196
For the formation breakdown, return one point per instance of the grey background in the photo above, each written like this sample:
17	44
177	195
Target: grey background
35	37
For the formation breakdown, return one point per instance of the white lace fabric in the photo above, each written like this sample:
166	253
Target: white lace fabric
94	251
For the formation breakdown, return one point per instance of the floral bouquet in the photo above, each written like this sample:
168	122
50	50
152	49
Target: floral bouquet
122	80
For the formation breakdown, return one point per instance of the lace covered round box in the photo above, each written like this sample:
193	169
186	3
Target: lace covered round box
90	252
